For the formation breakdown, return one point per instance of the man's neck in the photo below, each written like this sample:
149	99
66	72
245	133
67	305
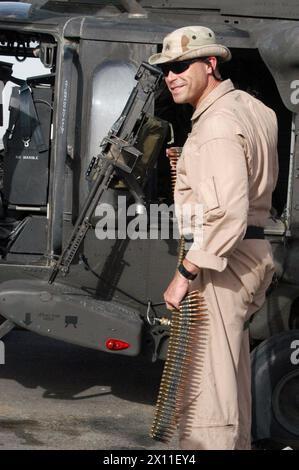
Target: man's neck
211	86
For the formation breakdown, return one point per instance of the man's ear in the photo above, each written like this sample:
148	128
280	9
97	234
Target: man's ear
212	62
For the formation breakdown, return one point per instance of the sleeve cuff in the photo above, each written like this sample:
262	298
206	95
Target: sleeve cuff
203	259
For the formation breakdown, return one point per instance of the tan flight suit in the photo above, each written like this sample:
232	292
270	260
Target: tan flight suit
229	165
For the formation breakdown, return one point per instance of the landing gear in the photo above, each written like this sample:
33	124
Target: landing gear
275	390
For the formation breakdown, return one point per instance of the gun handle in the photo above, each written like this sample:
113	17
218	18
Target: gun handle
53	275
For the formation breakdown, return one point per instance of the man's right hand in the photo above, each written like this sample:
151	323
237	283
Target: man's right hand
173	153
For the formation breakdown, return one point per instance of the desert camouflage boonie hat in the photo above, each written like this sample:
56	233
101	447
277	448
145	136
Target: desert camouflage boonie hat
190	42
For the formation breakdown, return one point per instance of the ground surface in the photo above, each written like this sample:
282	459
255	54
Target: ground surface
59	396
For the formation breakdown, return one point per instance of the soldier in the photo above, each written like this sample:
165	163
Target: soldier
229	166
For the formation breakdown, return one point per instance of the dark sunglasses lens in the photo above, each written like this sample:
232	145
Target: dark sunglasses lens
175	67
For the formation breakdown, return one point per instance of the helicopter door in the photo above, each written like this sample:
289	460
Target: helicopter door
25	169
27	148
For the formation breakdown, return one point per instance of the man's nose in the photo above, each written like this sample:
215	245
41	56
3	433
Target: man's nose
171	76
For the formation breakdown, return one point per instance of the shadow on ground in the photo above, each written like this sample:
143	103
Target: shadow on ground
64	371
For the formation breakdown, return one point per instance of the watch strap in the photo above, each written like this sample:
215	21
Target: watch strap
184	272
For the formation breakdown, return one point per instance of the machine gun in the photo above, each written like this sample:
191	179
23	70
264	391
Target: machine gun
118	155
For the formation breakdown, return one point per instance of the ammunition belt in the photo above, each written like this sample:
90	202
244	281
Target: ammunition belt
186	340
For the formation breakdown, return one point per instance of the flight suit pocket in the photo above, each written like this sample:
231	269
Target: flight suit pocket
212	209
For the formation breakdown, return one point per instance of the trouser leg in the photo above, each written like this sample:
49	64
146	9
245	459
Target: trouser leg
216	413
228	436
217	407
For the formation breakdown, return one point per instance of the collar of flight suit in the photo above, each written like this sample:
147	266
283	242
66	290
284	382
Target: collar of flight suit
224	87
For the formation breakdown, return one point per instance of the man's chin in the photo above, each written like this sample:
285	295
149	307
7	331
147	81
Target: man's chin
179	99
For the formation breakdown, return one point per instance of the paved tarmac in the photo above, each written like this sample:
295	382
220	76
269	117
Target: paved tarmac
59	396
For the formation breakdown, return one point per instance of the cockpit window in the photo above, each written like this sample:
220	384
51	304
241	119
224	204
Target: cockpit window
112	84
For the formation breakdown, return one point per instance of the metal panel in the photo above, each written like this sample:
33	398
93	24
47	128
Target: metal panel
70	314
255	8
117	29
278	45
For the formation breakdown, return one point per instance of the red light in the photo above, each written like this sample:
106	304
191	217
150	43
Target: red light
116	344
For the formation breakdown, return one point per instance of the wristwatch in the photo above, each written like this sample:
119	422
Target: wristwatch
184	272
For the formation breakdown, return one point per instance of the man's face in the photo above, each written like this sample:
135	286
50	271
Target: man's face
189	86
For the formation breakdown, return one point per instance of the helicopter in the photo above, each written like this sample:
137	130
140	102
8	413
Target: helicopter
66	275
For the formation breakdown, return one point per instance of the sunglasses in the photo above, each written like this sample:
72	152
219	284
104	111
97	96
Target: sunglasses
176	67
